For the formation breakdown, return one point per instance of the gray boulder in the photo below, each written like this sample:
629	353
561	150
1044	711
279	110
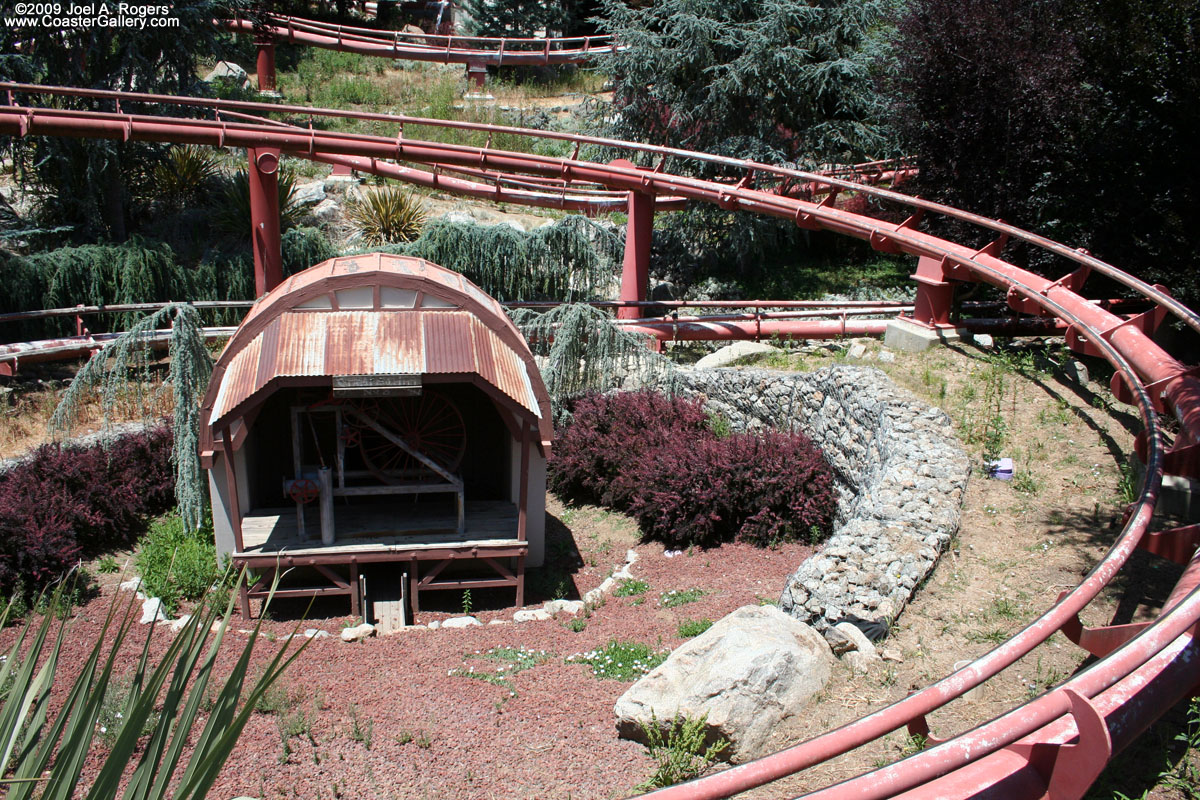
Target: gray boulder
731	354
309	194
227	70
746	674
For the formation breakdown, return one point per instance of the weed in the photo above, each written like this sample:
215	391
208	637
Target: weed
1026	482
994	636
1127	483
576	625
361	730
404	738
630	587
119	699
466	602
512	661
913	744
719	424
423	741
1004	607
681	752
107	565
679	597
621	661
693	627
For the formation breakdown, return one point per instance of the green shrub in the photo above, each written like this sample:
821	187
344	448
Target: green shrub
176	564
387	215
681	752
184	173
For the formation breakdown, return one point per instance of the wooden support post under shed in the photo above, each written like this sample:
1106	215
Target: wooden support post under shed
235	512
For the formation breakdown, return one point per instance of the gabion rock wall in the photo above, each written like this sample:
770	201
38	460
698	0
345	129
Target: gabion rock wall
901	475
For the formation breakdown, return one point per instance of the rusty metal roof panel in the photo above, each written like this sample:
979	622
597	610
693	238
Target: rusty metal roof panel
399	346
240	379
448	345
485	352
301	344
350	338
512	377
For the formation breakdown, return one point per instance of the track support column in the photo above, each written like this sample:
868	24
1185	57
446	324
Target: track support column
476	78
635	272
930	323
264	218
265	64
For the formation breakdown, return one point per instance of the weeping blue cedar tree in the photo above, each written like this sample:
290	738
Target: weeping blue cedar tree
109	371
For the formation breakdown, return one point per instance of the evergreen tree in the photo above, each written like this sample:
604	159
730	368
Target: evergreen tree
516	18
770	80
87	182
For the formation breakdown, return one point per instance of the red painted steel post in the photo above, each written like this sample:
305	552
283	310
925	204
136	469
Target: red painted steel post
935	294
264	218
476	76
635	273
265	65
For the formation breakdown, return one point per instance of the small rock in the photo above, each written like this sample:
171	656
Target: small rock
983	340
499	622
1076	371
531	615
858	640
631	557
672	553
461	622
309	194
434	625
325	210
887	356
860	663
571	607
594	596
892	655
315	633
358	632
177	625
856	351
152	611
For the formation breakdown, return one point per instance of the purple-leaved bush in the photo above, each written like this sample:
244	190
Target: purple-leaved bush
65	502
656	458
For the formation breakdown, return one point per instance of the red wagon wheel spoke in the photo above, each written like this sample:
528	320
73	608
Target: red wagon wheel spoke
431	424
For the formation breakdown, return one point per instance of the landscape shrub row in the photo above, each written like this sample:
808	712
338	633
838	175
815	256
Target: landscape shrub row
659	459
66	502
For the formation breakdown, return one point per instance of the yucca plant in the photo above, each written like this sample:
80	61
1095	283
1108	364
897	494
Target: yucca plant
180	178
387	215
45	757
231	212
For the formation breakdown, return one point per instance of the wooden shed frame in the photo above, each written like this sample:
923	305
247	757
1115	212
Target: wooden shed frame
363	321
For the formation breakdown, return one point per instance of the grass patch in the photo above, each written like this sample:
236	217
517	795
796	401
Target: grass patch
679	597
680	752
630	587
511	660
693	627
621	661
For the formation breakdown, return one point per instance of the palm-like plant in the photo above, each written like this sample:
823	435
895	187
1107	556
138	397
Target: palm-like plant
45	758
231	212
181	176
387	215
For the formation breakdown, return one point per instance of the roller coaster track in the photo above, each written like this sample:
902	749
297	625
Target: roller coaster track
453	49
1052	746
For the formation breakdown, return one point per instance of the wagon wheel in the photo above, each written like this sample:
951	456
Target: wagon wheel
430	423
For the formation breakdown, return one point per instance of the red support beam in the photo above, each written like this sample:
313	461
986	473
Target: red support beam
264	218
635	272
265	64
935	293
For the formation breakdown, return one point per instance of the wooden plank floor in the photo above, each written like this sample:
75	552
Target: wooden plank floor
380	528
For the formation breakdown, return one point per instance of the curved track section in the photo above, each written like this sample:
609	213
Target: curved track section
424	47
1056	744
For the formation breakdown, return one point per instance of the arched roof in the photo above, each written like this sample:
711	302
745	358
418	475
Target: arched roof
374	314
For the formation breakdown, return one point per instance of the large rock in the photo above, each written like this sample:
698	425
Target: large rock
309	194
731	354
748	673
227	70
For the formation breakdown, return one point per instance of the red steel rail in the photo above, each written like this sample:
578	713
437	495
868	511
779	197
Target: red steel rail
454	49
1054	745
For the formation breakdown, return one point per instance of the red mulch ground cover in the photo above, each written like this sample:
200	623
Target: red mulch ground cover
390	719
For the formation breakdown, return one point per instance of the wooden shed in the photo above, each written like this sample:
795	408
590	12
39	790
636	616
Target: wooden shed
378	426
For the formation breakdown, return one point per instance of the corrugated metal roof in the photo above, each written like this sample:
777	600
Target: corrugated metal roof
386	342
298	330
